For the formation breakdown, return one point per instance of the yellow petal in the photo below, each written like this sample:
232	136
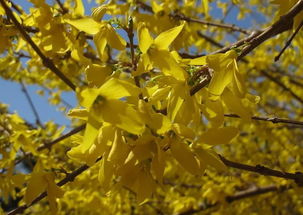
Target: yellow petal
235	105
185	157
205	7
114	39
224	68
99	12
100	40
144	186
129	173
198	61
165	61
219	81
101	144
183	131
90	134
79	8
97	74
88	25
158	165
167	37
159	94
106	173
123	116
145	40
214	111
210	158
214	136
173	106
238	86
119	150
115	89
36	185
78	114
87	96
53	192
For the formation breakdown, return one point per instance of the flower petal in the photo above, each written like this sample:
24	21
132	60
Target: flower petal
167	37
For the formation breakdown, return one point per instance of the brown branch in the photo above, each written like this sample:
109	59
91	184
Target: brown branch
203	74
209	39
130	33
57	140
297	177
269	119
255	191
69	178
45	60
257	37
289	41
283	24
33	108
64	10
239	196
283	86
272	78
16	7
230	27
70	133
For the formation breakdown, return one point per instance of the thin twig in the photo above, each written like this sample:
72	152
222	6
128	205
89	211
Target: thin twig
48	145
283	86
209	39
214	24
283	24
269	119
45	60
64	10
35	112
297	177
69	178
16	7
289	41
239	196
72	132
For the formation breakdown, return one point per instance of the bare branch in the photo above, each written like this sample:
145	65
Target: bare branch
46	61
269	119
48	145
283	24
297	177
24	90
239	196
278	82
69	178
63	9
289	41
214	24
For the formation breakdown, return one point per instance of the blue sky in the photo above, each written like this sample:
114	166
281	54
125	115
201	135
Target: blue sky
10	93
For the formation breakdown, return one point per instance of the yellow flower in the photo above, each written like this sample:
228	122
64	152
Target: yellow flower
155	52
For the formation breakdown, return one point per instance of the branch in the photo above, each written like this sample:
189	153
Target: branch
24	90
72	132
297	177
274	120
283	86
69	178
289	41
257	37
209	39
45	60
238	196
50	144
230	27
64	9
283	24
